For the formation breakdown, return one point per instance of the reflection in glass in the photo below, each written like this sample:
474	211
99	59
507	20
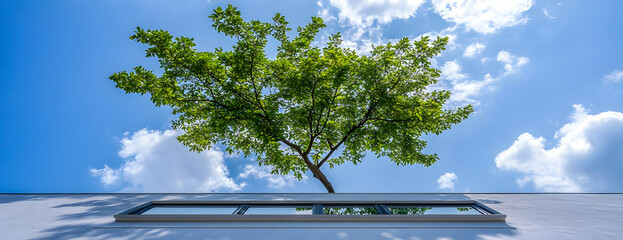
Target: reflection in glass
350	210
279	210
409	210
425	210
191	209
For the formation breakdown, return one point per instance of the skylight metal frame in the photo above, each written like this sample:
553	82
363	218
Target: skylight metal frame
385	215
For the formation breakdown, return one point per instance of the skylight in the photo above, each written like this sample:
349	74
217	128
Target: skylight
329	211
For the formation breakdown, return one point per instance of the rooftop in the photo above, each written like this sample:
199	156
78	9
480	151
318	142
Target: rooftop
528	216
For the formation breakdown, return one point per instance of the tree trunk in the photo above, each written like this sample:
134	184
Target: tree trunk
323	179
318	174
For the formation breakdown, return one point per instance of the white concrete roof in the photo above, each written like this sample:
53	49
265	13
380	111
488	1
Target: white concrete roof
529	216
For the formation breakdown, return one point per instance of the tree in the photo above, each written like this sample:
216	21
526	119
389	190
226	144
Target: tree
307	107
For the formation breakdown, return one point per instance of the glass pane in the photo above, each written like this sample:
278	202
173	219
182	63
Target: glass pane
349	210
279	210
191	209
425	210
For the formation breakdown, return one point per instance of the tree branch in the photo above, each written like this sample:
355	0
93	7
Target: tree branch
312	135
391	120
369	112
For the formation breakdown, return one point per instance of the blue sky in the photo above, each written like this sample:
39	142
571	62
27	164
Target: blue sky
545	77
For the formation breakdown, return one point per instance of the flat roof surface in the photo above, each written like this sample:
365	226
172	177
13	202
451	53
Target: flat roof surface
528	216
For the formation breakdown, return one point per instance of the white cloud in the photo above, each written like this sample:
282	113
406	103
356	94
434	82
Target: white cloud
447	181
446	32
463	90
587	156
547	14
263	172
157	162
505	57
451	70
360	45
324	13
511	62
473	50
365	13
388	235
342	235
107	175
484	16
615	76
362	20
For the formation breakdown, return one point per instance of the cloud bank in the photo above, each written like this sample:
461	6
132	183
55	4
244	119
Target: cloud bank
365	13
587	157
484	16
156	162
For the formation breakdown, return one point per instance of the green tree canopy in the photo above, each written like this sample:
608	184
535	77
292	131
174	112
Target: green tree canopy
296	110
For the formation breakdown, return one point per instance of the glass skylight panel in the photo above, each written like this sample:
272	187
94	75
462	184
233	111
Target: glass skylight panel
191	209
433	209
279	210
350	210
